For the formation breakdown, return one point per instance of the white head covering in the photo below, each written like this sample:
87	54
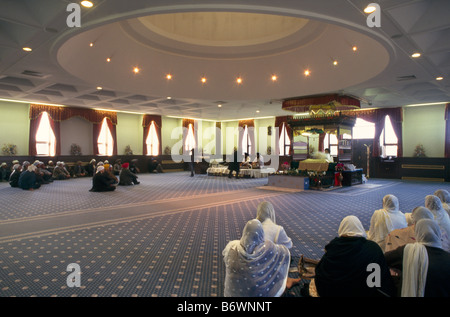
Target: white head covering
415	258
351	226
100	168
31	168
255	267
265	211
421	212
440	215
273	232
385	220
444	196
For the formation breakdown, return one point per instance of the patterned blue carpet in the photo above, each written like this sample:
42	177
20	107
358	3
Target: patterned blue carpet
164	237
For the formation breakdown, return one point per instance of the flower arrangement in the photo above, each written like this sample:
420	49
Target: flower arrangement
75	149
419	151
128	150
339	167
9	149
285	166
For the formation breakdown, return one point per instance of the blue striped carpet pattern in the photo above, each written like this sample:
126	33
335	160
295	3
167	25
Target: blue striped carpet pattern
164	237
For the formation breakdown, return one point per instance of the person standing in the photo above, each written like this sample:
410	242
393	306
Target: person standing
191	164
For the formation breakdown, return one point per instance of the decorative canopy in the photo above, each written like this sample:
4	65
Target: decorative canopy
321	104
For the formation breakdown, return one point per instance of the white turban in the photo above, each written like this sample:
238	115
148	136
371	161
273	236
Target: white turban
100	168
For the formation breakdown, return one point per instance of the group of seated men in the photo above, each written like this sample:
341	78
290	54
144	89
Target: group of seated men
29	176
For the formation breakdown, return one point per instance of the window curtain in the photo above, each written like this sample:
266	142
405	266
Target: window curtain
34	125
251	133
279	121
396	116
447	130
146	123
96	128
185	124
58	114
377	116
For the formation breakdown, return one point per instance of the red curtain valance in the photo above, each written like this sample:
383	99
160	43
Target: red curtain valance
338	102
249	123
147	120
64	113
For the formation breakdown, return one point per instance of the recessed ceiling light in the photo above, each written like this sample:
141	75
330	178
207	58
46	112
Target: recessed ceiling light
108	59
27	49
168	76
416	55
99	88
370	9
274	78
203	80
87	4
354	48
257	111
439	78
91	44
335	62
136	70
307	72
169	98
239	80
220	106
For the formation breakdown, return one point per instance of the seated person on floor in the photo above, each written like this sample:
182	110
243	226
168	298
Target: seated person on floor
91	167
154	166
434	204
60	172
117	167
14	177
4	172
101	182
424	265
246	161
385	220
79	170
444	196
258	162
133	166
27	179
342	270
273	232
255	267
127	177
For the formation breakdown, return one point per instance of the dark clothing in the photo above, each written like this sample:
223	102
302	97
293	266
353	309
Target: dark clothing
79	171
154	166
90	169
14	179
343	272
127	177
4	174
102	183
191	163
234	166
27	180
438	276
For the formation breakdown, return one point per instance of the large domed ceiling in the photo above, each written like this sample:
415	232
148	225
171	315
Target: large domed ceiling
136	54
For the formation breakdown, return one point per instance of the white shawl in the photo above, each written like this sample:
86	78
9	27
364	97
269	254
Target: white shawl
415	258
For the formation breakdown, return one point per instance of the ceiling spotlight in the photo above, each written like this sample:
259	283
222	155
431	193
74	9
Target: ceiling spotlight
108	59
99	88
239	80
168	77
27	49
354	48
307	72
335	62
439	78
415	55
274	77
168	98
257	111
87	4
91	44
203	80
370	9
220	106
136	70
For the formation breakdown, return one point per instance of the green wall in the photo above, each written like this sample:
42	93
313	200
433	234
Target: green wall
129	132
14	125
424	125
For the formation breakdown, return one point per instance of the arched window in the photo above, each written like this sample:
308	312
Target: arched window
152	141
388	139
190	139
246	141
285	141
45	137
105	140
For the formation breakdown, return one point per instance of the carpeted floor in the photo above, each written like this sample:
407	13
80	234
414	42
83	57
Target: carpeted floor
164	237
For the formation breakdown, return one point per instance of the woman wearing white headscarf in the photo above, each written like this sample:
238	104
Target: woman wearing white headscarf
444	196
385	220
398	237
440	215
273	232
425	265
255	267
343	269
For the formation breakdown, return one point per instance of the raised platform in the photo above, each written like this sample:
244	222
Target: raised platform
288	181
